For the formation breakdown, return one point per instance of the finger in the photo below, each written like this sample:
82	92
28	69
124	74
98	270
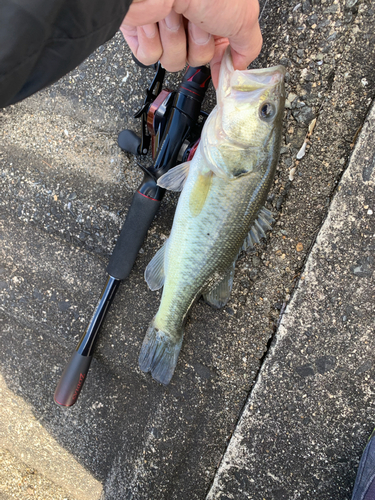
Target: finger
146	44
150	49
236	20
201	46
173	40
148	11
131	36
246	49
220	45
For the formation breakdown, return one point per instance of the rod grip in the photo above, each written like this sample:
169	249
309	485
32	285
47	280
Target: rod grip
72	379
140	216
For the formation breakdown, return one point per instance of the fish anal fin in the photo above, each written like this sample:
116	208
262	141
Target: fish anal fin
175	178
154	274
199	193
219	295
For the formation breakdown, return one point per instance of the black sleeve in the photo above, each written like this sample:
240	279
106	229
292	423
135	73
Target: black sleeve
42	40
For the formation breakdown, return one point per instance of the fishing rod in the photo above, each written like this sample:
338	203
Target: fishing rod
172	122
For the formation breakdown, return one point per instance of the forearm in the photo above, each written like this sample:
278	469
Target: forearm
42	40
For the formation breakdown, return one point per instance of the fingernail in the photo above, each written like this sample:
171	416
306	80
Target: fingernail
173	21
149	30
199	36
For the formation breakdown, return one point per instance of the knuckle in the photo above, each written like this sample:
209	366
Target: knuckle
253	13
147	58
172	66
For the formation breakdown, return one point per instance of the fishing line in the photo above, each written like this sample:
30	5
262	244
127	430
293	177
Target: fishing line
261	14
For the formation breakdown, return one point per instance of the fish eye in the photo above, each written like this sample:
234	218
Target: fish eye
267	111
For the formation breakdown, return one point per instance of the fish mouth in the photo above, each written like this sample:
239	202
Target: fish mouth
265	71
258	79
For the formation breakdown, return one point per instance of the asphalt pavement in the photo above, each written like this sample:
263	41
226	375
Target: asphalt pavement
273	396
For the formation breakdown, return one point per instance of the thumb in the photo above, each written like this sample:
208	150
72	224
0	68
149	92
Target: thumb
246	46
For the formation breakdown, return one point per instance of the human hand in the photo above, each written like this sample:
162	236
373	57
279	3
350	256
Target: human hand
193	31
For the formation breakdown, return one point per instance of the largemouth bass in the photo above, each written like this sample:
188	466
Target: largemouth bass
220	210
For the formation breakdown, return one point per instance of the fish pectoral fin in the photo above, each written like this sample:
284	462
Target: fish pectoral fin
258	230
175	178
199	193
154	274
220	293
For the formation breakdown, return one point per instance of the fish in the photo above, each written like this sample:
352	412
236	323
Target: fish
220	211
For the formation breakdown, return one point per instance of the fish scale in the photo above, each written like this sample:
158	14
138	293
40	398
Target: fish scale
224	189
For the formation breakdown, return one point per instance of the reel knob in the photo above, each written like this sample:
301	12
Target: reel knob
129	142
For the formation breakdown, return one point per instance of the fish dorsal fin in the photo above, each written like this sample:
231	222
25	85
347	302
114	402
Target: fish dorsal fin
220	293
265	218
248	242
154	274
258	230
175	178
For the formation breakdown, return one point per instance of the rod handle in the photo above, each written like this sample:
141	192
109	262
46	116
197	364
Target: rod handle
72	379
139	218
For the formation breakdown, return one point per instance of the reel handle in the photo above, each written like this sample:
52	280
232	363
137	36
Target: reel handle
129	141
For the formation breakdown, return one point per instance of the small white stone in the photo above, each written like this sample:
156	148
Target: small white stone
292	96
301	153
369	211
292	171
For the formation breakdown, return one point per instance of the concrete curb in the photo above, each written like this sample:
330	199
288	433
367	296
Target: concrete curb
310	412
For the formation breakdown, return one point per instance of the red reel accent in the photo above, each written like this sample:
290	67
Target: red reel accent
153	109
193	150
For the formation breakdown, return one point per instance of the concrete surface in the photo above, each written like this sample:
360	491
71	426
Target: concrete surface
65	188
17	480
312	408
23	436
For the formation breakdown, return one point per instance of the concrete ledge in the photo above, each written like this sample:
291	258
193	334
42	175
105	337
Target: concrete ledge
312	409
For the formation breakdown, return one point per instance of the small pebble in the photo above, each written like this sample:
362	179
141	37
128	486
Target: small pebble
292	171
301	153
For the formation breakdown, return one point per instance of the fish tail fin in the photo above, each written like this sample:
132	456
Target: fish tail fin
159	354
